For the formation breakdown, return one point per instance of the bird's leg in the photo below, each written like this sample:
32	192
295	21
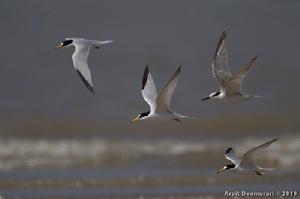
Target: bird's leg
258	173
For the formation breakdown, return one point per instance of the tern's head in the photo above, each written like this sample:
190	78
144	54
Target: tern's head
226	168
141	116
212	96
65	43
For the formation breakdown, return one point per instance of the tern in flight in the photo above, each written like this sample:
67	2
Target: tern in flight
230	85
246	164
80	56
159	103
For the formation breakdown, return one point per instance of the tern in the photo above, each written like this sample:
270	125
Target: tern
230	85
80	56
159	103
246	164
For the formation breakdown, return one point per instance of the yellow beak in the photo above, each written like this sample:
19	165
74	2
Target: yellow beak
135	119
221	170
59	46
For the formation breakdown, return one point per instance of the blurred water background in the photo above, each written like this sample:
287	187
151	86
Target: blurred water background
59	141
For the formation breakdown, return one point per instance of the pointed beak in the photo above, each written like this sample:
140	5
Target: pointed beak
221	170
206	98
135	119
58	46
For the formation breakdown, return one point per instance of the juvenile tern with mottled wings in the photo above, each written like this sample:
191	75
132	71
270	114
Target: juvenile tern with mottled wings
230	85
80	56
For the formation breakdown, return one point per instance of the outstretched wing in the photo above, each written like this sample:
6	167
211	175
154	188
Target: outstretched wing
248	159
79	58
163	101
234	84
149	89
220	69
230	155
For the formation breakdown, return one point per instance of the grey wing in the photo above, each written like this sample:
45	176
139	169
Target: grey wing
163	101
149	92
248	159
230	155
220	69
234	84
79	58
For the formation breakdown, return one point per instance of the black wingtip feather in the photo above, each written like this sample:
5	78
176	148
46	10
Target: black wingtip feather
254	59
85	82
176	72
221	39
145	76
228	150
178	69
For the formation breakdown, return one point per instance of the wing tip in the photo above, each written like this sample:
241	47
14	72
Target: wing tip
223	35
176	73
86	83
178	69
221	39
274	140
253	59
92	90
145	76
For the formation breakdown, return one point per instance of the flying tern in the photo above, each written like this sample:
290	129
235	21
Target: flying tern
159	103
246	164
80	56
230	85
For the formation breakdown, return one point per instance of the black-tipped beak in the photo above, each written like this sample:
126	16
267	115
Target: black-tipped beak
206	98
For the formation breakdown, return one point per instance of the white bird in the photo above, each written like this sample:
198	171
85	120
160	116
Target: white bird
80	56
159	104
230	85
246	165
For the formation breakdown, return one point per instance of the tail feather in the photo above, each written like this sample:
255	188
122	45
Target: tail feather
106	42
263	171
98	43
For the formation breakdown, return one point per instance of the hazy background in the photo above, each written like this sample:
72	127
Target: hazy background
44	101
40	83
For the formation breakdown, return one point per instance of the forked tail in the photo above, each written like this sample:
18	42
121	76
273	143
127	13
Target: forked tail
262	171
96	44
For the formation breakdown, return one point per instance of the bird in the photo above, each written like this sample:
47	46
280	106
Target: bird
80	56
246	165
230	84
159	103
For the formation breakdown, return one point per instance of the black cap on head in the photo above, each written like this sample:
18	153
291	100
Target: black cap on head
230	166
144	114
66	42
